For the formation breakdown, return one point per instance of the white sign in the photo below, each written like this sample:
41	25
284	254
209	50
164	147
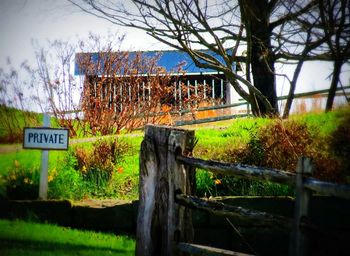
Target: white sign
46	138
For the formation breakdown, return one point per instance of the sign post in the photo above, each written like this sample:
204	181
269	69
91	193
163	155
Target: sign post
45	138
44	165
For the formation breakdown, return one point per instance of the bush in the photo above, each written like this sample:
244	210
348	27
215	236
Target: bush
205	185
280	144
102	159
283	143
12	122
22	183
339	144
66	182
99	167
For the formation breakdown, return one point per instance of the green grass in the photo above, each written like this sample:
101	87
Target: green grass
27	158
22	238
323	123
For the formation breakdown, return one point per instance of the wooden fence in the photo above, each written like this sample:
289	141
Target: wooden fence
167	182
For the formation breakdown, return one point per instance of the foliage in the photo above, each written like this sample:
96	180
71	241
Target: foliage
339	142
105	168
205	185
210	185
23	238
277	144
65	182
281	144
22	183
12	122
124	182
99	165
98	171
26	158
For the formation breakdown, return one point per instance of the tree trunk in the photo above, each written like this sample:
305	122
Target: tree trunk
292	89
335	79
255	16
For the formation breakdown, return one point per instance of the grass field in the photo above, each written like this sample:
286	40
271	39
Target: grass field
22	238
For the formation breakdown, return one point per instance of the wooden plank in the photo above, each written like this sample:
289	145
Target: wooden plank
328	188
241	170
197	249
225	210
160	222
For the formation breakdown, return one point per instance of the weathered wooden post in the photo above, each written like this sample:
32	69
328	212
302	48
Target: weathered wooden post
302	197
161	223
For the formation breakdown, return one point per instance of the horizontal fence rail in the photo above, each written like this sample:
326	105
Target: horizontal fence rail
328	188
267	174
225	210
240	170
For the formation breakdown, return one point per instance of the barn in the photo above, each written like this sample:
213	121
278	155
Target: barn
111	79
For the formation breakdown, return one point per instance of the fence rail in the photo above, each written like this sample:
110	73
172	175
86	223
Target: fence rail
240	170
167	185
327	188
225	210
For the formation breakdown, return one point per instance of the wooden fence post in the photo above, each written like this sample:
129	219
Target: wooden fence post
160	222
298	245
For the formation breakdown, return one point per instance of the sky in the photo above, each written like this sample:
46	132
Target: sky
22	21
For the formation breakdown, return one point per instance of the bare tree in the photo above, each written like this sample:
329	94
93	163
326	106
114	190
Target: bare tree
59	88
212	32
15	103
321	34
335	20
120	90
209	32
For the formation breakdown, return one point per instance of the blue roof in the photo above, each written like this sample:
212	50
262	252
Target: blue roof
169	60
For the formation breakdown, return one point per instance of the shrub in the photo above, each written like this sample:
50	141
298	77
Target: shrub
339	143
103	158
283	143
66	182
205	185
99	165
280	144
22	183
12	122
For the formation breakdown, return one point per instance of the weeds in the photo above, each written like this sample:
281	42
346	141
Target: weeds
22	183
278	144
66	182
